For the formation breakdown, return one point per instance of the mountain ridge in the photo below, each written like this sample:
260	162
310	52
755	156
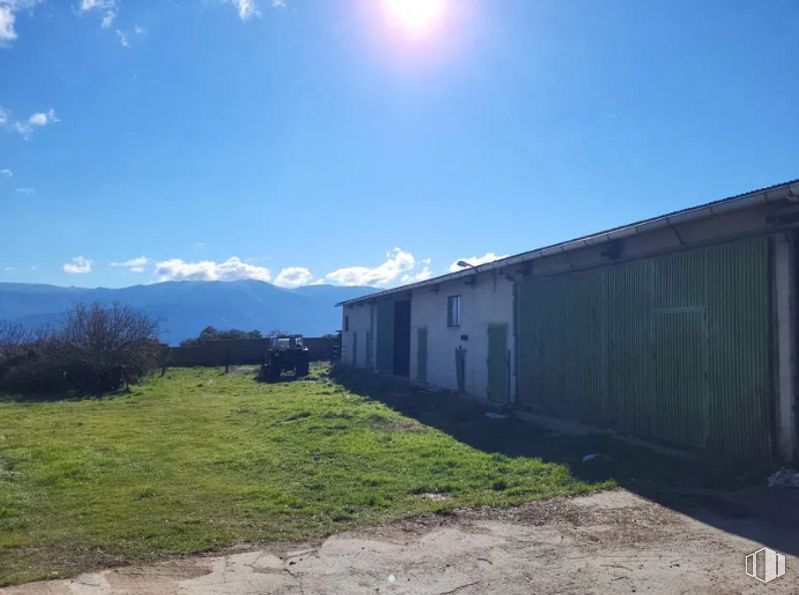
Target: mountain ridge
184	308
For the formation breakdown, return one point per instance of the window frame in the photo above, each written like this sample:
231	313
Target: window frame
454	314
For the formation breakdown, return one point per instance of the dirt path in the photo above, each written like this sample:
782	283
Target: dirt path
612	542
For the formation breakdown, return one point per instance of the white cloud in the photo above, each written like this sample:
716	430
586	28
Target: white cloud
9	269
397	266
26	191
43	118
124	36
422	275
87	5
6	173
7	32
206	270
476	260
109	7
8	10
78	266
292	277
36	120
3	116
246	8
134	265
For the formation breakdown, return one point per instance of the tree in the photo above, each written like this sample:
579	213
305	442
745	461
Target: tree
210	333
96	349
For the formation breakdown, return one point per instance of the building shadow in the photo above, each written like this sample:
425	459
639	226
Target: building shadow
727	495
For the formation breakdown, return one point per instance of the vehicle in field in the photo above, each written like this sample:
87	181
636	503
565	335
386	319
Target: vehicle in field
286	353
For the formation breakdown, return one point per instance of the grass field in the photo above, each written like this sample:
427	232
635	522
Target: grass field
198	459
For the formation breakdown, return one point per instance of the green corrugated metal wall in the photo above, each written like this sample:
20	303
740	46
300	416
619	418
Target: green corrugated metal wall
675	347
385	337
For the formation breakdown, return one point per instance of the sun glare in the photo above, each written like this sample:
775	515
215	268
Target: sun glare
415	15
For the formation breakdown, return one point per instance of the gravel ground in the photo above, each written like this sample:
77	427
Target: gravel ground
610	542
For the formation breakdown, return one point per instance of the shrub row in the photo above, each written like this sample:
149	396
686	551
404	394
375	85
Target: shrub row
96	349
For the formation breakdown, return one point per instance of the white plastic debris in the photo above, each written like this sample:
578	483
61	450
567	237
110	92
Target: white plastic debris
784	478
495	415
596	457
391	578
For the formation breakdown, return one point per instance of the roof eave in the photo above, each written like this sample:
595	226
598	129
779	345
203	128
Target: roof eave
756	197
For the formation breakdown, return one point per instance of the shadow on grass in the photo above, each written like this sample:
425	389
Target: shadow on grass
719	493
63	396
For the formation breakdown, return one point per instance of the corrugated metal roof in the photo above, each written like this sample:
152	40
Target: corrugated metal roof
761	195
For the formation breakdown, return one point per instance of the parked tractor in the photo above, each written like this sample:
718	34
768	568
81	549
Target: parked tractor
285	354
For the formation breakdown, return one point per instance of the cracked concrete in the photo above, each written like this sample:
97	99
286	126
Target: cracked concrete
612	542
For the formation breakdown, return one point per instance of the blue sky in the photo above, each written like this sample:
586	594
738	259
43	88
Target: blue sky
308	140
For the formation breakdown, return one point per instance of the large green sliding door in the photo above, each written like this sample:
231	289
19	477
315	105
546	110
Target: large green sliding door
675	347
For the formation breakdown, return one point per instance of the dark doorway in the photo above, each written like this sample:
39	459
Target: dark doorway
402	338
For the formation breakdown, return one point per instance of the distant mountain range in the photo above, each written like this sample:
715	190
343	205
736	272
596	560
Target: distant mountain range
184	308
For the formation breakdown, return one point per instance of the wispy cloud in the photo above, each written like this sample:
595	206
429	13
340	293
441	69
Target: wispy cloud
8	13
26	191
124	37
422	275
398	265
27	127
78	266
134	265
207	270
476	260
247	9
7	18
107	7
6	173
43	118
292	277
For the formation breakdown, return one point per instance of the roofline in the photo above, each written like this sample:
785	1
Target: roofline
717	207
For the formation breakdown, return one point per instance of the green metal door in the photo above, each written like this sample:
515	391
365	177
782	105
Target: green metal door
498	363
385	337
421	354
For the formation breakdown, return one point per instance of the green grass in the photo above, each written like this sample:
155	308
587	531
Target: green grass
197	460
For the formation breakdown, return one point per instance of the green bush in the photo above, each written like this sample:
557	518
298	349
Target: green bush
97	349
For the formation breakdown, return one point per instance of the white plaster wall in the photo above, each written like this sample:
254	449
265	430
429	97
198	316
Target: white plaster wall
360	323
490	301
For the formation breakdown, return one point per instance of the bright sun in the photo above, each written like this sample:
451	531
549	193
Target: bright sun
415	15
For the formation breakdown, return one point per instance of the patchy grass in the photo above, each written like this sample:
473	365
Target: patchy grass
197	460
